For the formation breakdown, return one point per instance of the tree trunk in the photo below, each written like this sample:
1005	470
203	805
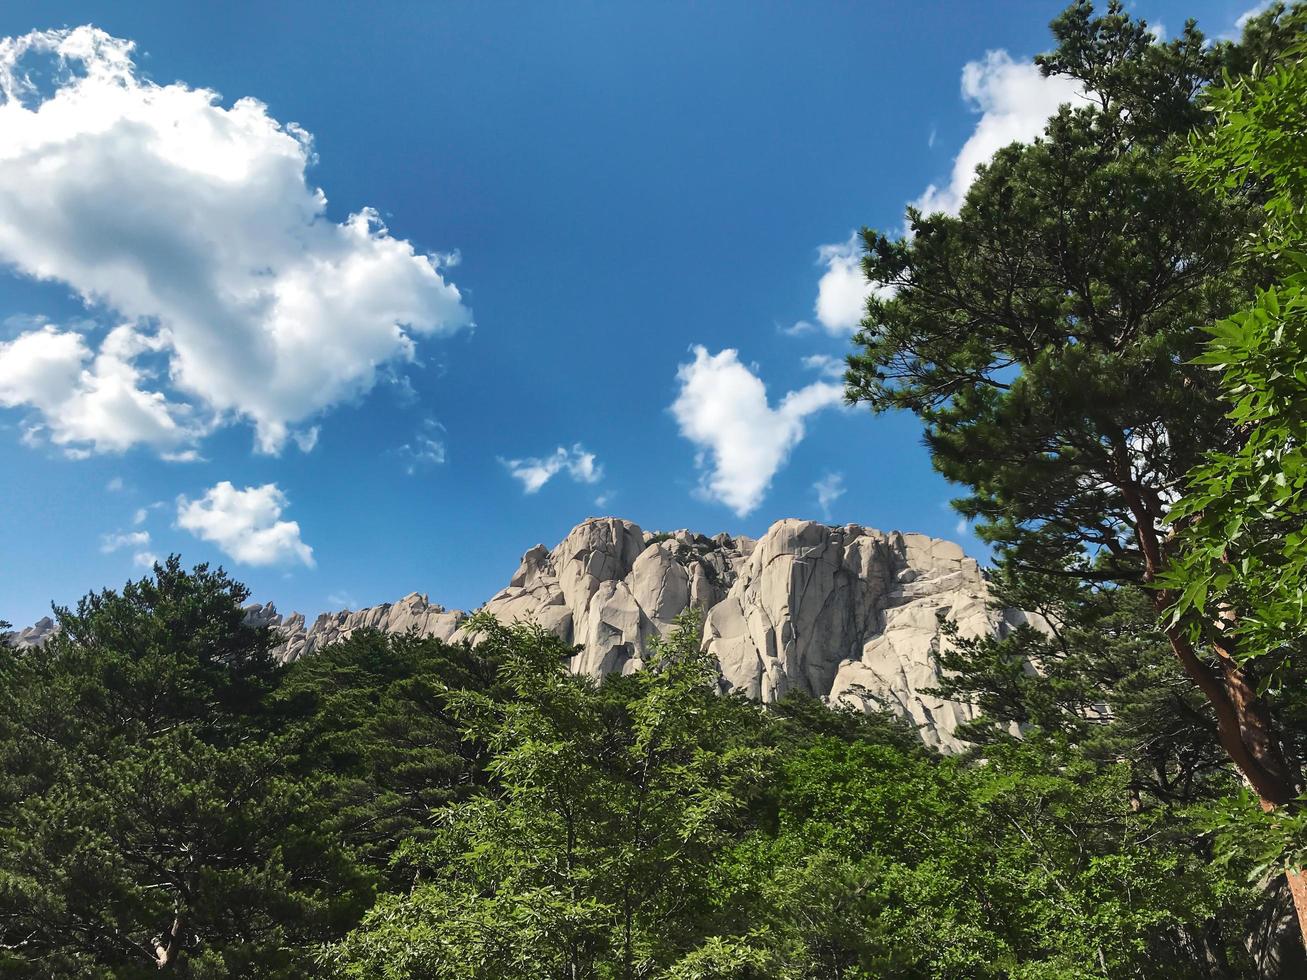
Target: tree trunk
1298	889
1243	718
166	948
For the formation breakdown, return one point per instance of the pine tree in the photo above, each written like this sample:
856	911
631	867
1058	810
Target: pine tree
1046	336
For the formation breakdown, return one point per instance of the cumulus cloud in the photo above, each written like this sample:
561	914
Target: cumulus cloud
842	290
1014	101
245	524
722	408
86	400
828	489
195	224
535	472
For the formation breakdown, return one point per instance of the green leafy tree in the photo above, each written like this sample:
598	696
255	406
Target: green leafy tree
374	737
1046	336
886	864
1240	575
1099	678
591	856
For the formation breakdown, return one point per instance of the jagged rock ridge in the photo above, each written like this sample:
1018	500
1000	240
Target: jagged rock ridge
413	612
849	614
32	636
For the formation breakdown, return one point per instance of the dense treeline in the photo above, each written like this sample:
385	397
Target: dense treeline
401	807
1107	347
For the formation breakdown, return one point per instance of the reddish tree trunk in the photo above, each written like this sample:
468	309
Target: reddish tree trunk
1243	718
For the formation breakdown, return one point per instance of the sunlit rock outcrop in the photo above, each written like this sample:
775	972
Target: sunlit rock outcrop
849	614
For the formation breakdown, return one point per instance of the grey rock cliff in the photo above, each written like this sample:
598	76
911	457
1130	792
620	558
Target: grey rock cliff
32	636
413	612
849	614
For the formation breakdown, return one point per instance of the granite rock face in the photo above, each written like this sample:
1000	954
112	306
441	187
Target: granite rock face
849	614
32	636
609	587
413	612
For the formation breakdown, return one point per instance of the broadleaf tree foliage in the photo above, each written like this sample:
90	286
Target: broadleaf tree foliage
1047	336
175	803
1106	346
1239	581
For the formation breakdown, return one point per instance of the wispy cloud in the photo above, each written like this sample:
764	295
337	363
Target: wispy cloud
535	471
828	489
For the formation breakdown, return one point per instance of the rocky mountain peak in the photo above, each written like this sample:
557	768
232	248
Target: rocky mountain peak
849	614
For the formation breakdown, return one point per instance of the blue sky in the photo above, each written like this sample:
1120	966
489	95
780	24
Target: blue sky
607	227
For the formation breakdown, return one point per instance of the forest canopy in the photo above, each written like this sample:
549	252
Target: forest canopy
1107	351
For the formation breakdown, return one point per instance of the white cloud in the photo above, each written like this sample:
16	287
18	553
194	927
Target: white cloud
427	447
961	527
1242	20
535	472
143	513
88	400
831	367
245	524
136	541
842	290
160	204
722	408
109	543
1014	101
115	485
829	489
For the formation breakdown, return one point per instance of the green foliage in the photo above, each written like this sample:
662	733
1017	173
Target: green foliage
1043	333
651	828
1243	567
172	799
375	737
591	857
1050	338
397	807
1240	575
1010	869
143	818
